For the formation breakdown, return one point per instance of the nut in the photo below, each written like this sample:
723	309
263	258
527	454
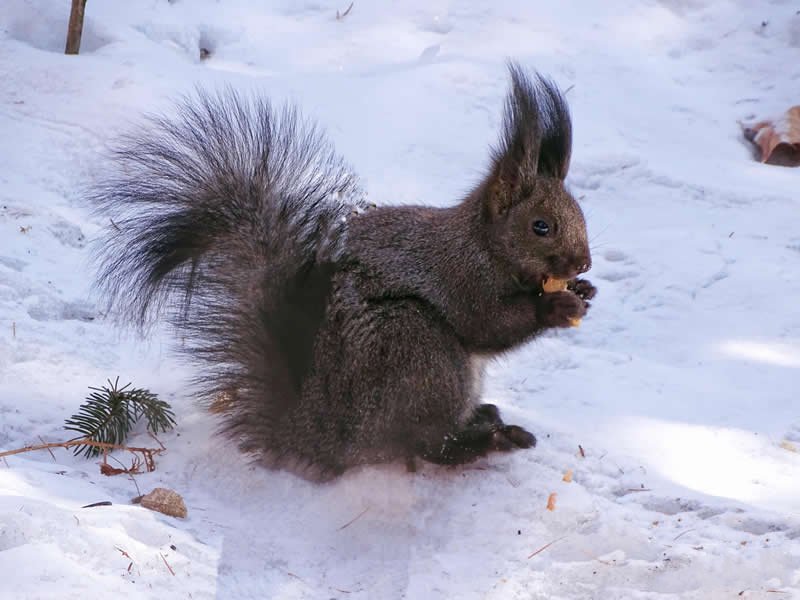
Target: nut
551	284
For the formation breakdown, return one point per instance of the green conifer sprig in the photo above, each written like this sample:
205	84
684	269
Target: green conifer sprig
109	414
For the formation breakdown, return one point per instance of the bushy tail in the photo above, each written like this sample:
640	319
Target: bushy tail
226	218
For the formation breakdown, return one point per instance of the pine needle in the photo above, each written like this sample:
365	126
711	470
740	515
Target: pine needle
545	547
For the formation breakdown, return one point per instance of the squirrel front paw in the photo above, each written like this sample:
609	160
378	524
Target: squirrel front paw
561	309
583	289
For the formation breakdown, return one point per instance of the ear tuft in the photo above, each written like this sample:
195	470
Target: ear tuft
555	144
536	140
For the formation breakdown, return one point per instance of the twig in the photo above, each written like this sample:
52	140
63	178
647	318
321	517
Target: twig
114	224
13	330
128	556
545	547
147	453
136	485
75	28
567	91
638	490
76	442
158	441
354	519
683	533
48	449
166	563
339	17
580	449
290	574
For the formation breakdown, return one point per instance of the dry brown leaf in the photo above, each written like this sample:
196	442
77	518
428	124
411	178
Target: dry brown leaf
134	469
778	140
787	445
551	501
567	476
108	470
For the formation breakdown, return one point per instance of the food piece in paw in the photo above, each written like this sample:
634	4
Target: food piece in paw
551	284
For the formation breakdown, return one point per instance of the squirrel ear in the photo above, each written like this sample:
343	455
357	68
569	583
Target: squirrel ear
515	160
507	184
536	140
555	144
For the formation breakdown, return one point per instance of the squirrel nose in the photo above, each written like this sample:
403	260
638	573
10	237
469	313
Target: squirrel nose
569	266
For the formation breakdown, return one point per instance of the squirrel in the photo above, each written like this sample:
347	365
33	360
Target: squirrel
331	333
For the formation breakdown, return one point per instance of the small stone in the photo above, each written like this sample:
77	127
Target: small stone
165	501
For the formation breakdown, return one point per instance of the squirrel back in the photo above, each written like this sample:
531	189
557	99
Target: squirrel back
328	334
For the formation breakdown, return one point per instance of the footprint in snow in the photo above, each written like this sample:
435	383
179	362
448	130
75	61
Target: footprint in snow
68	234
50	309
615	265
12	263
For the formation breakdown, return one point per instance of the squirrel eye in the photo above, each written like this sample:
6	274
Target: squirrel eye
540	227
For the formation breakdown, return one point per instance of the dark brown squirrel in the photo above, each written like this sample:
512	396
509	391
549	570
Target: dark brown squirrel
331	334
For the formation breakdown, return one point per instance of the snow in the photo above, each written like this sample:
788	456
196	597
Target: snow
680	385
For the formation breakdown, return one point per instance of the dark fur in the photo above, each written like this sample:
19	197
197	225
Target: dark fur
340	336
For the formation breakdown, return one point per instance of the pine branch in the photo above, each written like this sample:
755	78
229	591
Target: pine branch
109	414
157	413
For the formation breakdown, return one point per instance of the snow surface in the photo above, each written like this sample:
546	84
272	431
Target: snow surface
680	385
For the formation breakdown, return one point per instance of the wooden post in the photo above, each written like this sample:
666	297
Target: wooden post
75	29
